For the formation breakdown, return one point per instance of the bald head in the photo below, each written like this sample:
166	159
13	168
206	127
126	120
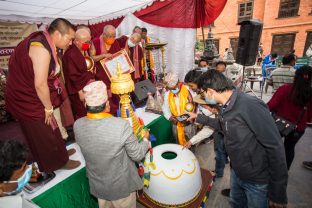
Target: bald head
135	38
82	36
109	31
83	27
82	33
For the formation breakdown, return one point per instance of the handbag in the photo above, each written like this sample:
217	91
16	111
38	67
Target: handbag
286	127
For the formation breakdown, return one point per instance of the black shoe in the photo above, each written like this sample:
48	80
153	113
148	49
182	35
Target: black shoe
307	164
226	192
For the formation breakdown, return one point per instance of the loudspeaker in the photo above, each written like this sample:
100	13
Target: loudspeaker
248	42
140	92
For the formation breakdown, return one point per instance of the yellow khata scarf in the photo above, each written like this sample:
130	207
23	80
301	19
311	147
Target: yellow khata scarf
98	115
183	94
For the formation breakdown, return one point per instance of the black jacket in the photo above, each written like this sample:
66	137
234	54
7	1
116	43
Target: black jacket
253	143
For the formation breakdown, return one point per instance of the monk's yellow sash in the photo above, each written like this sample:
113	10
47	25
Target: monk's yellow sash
98	115
183	95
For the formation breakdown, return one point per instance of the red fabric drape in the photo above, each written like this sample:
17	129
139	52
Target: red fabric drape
97	29
173	13
182	13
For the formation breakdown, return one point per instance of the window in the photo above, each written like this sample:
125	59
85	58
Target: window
216	43
288	8
283	44
234	45
307	43
245	11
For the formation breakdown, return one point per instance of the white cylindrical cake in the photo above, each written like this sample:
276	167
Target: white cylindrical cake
176	179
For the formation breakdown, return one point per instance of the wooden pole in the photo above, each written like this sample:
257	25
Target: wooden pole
202	29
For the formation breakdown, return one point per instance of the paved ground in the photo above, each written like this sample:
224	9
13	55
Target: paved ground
300	179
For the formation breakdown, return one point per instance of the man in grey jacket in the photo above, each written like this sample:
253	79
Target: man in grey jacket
252	141
110	150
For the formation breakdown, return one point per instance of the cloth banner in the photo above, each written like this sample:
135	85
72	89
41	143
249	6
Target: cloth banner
11	34
179	52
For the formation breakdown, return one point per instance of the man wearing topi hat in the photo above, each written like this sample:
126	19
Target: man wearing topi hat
110	149
178	101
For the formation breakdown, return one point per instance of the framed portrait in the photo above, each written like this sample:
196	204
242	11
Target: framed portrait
110	65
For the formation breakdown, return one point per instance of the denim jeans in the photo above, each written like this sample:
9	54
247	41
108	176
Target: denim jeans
246	194
221	154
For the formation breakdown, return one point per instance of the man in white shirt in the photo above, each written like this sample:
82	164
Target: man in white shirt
178	101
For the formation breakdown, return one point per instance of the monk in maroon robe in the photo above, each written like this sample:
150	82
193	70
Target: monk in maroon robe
76	73
33	90
135	52
104	47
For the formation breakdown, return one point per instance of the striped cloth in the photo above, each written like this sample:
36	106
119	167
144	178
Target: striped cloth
283	75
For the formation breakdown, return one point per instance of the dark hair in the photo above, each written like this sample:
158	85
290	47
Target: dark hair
144	29
287	59
13	154
220	62
215	80
60	24
96	109
301	93
273	55
202	60
192	76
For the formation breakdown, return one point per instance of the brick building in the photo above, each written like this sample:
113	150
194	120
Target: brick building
287	24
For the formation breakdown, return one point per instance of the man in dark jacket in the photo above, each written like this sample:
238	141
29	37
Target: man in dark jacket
252	141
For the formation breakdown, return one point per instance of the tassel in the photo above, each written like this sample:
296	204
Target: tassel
118	113
133	107
152	138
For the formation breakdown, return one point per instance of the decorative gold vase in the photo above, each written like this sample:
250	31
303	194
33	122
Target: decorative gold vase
123	85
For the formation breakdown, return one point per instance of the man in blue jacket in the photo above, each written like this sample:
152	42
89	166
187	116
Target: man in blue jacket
252	141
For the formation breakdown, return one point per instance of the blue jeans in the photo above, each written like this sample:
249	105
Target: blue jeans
221	155
246	194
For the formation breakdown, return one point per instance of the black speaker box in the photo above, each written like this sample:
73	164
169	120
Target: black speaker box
139	96
248	42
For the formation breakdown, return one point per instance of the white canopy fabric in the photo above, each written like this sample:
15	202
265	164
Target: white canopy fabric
77	11
179	52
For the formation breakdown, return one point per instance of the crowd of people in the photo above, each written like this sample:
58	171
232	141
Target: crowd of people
47	91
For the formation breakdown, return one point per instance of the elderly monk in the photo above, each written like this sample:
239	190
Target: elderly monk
103	47
131	45
34	90
75	70
176	102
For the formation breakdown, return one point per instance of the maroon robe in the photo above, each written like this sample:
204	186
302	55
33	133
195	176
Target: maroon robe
76	78
101	75
22	101
123	43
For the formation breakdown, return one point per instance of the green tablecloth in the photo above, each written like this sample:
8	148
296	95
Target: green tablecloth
73	192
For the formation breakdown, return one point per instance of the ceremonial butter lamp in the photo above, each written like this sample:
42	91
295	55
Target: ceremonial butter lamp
123	85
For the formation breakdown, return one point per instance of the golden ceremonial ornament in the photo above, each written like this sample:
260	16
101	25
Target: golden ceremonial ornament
90	64
189	107
161	46
123	85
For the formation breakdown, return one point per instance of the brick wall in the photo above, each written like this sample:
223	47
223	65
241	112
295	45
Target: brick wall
267	11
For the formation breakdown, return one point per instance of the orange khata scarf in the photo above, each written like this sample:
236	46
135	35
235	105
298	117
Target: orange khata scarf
183	99
98	115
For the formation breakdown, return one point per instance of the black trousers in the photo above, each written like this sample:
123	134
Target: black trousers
289	144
